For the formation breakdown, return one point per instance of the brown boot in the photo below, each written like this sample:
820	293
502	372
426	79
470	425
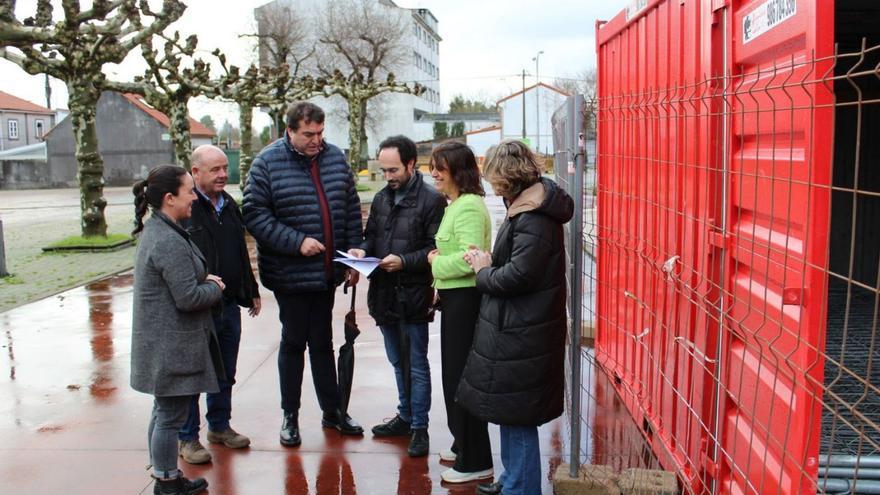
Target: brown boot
193	452
229	438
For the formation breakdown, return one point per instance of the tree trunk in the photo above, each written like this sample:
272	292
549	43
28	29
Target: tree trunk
83	102
364	153
355	131
246	115
180	135
277	113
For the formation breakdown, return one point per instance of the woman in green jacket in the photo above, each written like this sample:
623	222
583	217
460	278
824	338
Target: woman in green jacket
465	224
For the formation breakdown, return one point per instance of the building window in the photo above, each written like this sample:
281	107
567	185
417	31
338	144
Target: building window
38	128
12	129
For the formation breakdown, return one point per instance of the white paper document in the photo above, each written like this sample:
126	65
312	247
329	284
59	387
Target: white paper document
362	265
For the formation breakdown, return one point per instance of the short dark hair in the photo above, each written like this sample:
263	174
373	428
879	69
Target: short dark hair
404	146
304	111
462	165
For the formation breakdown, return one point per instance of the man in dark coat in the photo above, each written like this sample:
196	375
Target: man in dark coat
217	228
301	206
403	220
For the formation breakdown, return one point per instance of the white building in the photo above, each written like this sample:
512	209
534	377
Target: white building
481	140
393	113
424	125
540	100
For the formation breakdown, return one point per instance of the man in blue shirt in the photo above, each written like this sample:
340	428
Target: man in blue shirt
217	228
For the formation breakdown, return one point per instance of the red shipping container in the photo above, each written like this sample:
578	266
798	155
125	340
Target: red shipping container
715	133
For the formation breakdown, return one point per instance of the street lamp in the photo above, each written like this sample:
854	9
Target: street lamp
537	59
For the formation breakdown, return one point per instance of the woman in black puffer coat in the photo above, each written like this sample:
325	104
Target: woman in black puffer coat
514	373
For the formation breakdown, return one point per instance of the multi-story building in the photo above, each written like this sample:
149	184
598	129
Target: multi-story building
392	113
22	123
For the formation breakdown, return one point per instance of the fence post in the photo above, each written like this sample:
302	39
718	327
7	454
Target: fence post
3	271
576	120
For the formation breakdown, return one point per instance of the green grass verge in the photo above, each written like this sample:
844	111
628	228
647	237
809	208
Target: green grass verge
11	279
363	188
76	241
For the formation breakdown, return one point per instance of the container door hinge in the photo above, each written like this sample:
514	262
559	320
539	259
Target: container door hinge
709	466
719	4
719	239
794	296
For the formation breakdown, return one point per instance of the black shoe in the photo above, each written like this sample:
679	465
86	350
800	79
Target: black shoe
489	488
290	431
395	427
342	423
418	444
179	486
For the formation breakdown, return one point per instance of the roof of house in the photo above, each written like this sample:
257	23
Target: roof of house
196	128
460	117
484	129
14	103
547	86
31	152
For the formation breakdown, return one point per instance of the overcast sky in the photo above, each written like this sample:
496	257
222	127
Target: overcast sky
485	46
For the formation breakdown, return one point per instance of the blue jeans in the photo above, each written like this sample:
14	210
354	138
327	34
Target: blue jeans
227	325
521	457
420	375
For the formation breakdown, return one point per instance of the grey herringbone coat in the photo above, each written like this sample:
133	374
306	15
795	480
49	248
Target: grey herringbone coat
172	330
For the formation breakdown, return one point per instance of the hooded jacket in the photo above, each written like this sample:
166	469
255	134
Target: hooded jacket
514	373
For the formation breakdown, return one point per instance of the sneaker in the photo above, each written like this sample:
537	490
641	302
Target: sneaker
448	455
193	452
453	476
179	486
229	438
419	444
395	427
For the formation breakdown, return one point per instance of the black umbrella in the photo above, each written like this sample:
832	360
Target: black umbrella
345	361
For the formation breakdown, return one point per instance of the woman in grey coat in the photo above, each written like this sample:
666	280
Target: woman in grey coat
172	331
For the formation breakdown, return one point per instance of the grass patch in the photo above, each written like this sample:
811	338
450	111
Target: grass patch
11	279
363	188
97	243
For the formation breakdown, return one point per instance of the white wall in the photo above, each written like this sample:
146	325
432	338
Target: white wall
198	141
424	131
480	142
540	102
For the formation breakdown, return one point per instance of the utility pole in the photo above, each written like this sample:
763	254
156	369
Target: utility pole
524	104
48	93
537	102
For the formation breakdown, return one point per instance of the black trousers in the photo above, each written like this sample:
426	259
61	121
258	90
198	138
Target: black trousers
306	320
457	323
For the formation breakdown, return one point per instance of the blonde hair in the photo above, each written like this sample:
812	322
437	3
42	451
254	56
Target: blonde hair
511	167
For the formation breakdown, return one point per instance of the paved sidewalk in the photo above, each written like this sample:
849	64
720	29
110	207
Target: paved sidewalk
71	424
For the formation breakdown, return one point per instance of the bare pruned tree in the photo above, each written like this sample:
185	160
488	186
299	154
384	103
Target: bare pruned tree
258	87
173	77
584	83
284	38
360	45
75	50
